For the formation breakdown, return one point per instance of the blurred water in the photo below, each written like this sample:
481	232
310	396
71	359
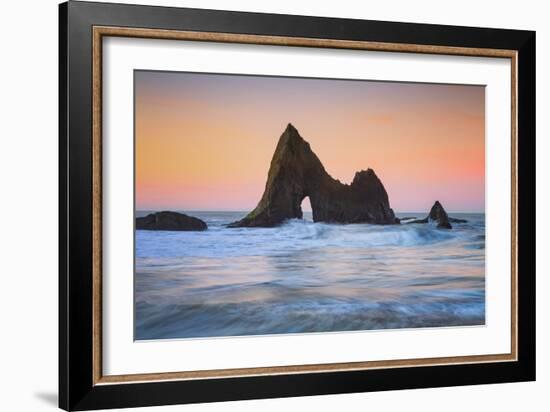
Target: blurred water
307	277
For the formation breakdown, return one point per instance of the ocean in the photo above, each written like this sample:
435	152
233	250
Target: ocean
307	277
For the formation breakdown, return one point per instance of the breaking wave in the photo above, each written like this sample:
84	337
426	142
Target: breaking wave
294	234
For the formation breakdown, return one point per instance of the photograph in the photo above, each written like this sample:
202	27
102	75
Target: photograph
270	205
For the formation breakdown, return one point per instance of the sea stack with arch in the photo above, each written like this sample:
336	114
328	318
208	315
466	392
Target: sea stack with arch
296	172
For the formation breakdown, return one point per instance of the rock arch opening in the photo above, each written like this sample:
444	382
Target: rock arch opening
306	209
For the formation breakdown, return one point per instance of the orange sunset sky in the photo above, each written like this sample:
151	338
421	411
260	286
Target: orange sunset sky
205	141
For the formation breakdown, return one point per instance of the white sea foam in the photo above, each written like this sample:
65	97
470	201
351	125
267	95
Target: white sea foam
295	234
304	276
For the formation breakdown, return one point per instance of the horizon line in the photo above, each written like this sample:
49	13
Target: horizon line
250	210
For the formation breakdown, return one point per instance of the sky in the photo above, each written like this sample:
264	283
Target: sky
205	141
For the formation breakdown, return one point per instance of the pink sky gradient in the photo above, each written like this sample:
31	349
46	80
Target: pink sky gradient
204	142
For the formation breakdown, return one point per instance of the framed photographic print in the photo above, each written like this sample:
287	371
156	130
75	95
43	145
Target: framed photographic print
257	205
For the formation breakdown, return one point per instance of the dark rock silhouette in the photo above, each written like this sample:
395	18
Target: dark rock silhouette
296	172
170	221
437	214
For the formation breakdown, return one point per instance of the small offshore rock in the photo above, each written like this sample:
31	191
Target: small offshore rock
172	221
439	215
